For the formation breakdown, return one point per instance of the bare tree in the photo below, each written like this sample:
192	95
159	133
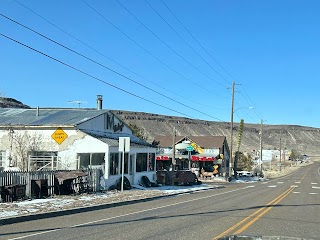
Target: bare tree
23	145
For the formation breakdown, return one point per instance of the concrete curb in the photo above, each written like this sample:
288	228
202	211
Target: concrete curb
24	218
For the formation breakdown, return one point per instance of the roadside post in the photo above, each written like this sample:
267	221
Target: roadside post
189	149
124	147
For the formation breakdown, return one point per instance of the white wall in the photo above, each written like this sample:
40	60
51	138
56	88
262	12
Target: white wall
79	142
99	125
42	137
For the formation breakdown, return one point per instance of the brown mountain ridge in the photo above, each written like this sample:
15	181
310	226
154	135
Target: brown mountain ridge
305	140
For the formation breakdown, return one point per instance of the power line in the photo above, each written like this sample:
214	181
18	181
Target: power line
198	42
89	75
209	54
99	64
167	45
250	102
189	46
144	49
100	80
103	55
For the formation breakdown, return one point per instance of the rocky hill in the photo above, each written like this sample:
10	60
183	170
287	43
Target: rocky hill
11	103
305	140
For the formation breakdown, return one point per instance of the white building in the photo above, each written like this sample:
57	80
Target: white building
35	139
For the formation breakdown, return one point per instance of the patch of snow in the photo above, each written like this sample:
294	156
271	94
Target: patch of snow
8	214
32	210
86	198
35	201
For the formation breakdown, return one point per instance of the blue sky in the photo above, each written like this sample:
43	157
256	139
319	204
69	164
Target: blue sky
270	48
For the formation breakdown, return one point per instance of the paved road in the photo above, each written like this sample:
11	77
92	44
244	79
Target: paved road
289	206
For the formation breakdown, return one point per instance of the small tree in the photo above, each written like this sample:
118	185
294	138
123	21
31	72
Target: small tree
245	161
138	132
294	154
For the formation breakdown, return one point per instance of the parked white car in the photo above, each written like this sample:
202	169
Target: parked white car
244	174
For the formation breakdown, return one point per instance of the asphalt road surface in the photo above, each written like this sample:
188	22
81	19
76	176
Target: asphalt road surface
288	206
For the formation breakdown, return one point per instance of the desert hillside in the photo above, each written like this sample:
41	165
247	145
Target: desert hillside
305	140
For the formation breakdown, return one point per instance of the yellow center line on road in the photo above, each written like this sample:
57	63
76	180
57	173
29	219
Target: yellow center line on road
252	216
266	209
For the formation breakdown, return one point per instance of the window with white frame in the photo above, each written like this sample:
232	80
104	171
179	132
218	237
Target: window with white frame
2	158
91	159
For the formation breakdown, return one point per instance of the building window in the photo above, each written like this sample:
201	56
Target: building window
141	162
91	159
126	163
114	164
2	159
84	160
97	159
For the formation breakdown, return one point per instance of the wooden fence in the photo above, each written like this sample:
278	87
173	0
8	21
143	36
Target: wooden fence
8	178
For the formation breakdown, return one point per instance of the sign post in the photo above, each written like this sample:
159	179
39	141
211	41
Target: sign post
189	149
124	147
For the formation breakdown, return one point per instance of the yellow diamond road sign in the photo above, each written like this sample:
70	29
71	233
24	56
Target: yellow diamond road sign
59	135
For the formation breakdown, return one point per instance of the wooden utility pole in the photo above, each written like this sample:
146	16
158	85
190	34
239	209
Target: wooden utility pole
261	143
231	132
280	150
174	149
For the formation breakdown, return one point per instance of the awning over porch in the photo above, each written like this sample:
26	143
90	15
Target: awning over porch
165	158
202	158
62	176
197	158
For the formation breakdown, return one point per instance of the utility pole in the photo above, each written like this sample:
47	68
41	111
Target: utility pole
231	132
261	144
280	150
284	154
173	162
174	149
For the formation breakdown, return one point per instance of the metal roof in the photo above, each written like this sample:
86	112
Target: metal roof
208	142
46	117
113	140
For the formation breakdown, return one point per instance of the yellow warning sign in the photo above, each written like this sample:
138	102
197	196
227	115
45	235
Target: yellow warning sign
59	135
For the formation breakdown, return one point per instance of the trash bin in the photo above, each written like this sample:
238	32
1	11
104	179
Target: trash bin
39	188
13	192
